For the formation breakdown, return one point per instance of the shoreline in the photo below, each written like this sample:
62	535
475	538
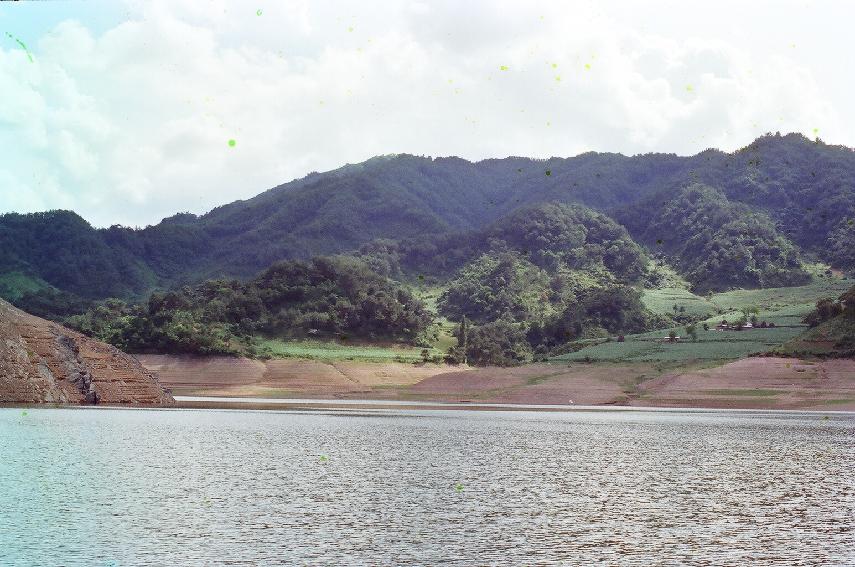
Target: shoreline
750	383
354	406
753	384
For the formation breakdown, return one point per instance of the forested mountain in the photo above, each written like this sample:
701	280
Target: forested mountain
716	243
805	189
550	235
532	282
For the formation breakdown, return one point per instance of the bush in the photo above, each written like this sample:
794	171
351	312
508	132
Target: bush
500	343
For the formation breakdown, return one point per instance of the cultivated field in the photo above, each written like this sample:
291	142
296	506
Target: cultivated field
785	307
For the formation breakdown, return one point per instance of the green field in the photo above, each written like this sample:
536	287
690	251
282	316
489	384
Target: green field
329	350
785	307
783	297
711	345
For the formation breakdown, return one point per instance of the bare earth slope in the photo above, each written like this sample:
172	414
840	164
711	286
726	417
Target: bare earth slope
758	382
43	362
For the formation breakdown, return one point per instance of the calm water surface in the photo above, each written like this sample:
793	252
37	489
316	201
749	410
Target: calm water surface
384	487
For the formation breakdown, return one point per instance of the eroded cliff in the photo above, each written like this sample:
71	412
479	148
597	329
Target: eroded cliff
43	362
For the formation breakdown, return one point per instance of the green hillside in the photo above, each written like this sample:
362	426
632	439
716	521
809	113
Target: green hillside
833	329
799	192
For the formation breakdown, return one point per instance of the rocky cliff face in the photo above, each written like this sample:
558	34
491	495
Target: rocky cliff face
41	362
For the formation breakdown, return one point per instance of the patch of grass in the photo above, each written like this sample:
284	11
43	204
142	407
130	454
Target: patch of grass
324	350
429	295
662	301
785	307
838	401
835	337
743	392
542	378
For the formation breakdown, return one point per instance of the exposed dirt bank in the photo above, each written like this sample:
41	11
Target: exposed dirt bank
42	362
762	383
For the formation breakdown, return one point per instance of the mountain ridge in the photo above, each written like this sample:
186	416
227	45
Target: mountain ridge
805	187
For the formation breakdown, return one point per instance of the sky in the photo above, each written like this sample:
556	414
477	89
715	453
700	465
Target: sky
128	112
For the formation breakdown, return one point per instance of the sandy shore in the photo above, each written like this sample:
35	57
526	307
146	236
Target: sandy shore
751	383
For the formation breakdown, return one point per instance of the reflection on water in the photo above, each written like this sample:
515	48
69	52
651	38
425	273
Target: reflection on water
203	487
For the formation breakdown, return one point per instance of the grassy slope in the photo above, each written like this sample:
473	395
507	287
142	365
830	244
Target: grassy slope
835	337
429	295
15	284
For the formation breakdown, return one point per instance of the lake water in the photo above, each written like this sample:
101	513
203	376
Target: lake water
427	487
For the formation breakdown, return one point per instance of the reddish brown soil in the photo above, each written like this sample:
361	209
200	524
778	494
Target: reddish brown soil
774	383
42	362
750	383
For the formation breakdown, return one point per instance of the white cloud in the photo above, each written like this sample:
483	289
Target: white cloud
133	124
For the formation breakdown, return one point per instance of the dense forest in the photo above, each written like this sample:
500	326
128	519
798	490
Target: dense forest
336	297
717	244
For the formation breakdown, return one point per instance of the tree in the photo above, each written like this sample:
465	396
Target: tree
672	336
847	300
463	336
500	343
692	332
826	309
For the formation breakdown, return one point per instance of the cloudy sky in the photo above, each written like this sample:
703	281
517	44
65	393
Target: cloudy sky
125	111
